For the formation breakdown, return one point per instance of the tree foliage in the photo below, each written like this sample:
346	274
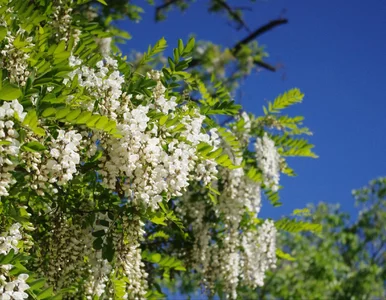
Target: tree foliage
346	260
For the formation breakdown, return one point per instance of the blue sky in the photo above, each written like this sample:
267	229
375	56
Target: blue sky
335	52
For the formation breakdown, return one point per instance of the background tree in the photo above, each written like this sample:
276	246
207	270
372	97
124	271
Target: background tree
345	261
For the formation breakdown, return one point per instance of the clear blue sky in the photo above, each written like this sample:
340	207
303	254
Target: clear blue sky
335	52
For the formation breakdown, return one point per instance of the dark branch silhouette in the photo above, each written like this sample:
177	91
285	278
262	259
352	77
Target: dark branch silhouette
237	47
233	13
259	31
265	65
163	6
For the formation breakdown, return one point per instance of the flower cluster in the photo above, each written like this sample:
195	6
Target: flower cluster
11	288
63	255
14	60
99	276
65	157
105	46
239	251
9	143
239	193
62	18
15	289
129	259
259	253
10	240
102	83
150	156
268	160
55	165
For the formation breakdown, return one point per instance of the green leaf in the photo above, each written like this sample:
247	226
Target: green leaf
163	119
189	47
73	115
99	233
46	293
7	258
33	147
10	92
292	225
31	118
62	113
305	212
103	2
83	117
171	64
104	223
289	98
215	153
37	284
180	47
283	255
108	250
91	121
110	126
48	112
159	219
102	122
155	257
60	48
39	131
98	243
159	234
3	32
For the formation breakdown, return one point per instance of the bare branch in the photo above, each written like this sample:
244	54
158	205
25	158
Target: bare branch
233	13
259	31
164	6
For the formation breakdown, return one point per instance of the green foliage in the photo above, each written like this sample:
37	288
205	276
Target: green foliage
293	226
283	101
76	116
289	146
346	260
152	51
9	92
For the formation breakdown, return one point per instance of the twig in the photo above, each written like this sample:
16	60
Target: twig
259	31
163	6
243	8
233	13
265	65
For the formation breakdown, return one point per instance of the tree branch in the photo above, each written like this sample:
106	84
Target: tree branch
259	31
159	8
233	13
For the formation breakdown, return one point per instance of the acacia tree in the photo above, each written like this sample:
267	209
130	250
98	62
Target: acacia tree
117	178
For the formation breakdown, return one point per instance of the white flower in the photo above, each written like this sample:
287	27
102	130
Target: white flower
268	160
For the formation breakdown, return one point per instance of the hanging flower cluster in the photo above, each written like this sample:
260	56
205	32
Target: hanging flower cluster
268	160
234	253
11	287
9	145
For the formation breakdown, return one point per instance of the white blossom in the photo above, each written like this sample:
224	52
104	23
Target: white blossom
268	160
9	143
259	253
15	289
9	240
